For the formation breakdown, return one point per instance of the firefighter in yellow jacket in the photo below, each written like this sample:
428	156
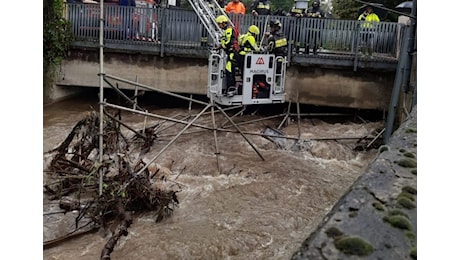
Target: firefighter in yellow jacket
247	43
228	43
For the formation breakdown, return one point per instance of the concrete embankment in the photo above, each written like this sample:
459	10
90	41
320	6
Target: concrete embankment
377	217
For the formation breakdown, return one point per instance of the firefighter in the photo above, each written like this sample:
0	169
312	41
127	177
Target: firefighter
277	43
246	44
299	11
260	7
228	43
314	27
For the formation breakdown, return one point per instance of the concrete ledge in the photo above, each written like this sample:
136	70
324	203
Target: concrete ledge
377	217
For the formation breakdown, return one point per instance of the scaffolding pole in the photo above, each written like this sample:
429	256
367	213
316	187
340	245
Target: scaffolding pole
101	95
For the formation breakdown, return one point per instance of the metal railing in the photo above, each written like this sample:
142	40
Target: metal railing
182	29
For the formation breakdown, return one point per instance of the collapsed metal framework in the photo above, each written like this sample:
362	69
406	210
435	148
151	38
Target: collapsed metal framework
209	107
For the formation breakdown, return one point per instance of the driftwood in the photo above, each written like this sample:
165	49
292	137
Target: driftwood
74	172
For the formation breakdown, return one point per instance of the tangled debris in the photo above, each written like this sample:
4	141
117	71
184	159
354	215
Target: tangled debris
73	178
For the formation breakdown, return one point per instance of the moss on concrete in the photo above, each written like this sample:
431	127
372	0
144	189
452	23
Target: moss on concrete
378	206
409	155
354	246
398	221
406	195
397	212
407	163
405	202
383	148
413	253
410	190
334	232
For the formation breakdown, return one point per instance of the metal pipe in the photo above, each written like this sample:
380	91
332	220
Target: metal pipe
156	116
284	137
123	95
101	94
242	134
214	126
286	117
166	146
136	89
298	116
402	65
125	125
156	89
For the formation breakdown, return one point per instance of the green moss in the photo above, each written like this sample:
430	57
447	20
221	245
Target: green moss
413	253
414	171
397	212
405	202
411	236
411	130
354	246
353	214
406	195
378	206
402	150
333	232
398	222
410	190
383	148
409	154
407	163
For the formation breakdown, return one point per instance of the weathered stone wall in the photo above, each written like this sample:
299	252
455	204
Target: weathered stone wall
377	218
314	86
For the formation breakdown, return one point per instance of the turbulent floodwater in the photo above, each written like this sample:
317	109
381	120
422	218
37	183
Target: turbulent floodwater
253	209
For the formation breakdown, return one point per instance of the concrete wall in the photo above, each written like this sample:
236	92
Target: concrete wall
314	86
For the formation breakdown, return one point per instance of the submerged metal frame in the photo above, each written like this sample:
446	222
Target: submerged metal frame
212	105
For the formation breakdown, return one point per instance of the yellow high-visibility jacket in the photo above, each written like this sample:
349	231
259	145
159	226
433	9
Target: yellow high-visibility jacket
369	19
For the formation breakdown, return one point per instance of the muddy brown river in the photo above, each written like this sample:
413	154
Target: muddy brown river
252	209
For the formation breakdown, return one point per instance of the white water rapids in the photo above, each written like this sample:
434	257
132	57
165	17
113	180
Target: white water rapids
254	209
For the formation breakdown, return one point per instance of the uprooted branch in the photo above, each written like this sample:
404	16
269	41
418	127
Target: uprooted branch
75	168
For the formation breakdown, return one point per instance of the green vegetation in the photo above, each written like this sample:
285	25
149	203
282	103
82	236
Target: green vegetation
397	212
407	163
402	150
57	37
410	190
414	171
378	206
411	236
333	232
405	202
410	130
406	195
383	148
413	253
398	221
409	154
354	246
